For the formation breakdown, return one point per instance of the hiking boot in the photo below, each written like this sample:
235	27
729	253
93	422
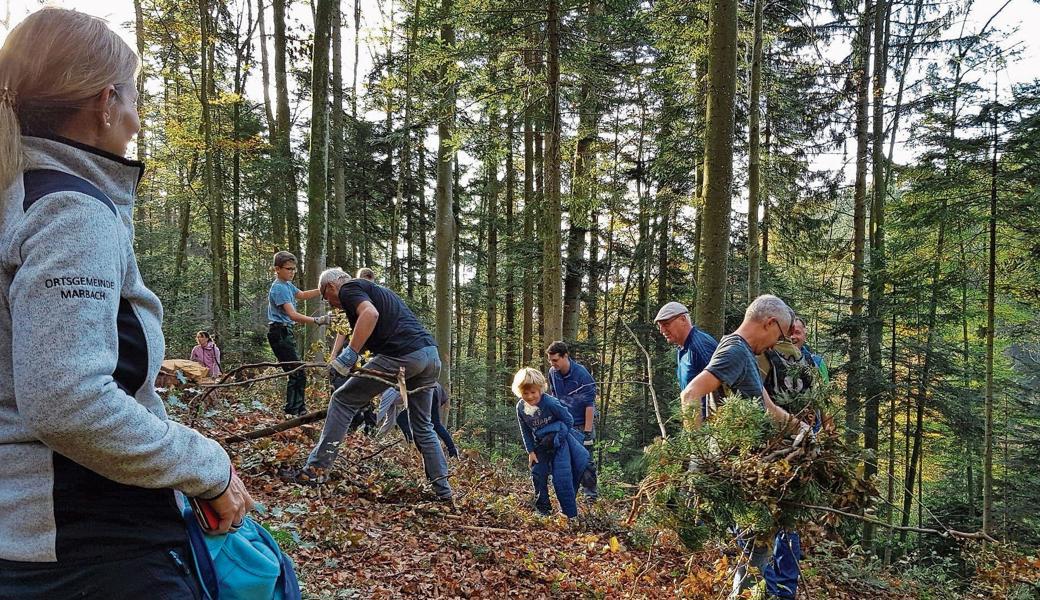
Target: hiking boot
309	476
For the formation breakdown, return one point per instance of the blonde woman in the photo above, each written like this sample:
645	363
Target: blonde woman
88	459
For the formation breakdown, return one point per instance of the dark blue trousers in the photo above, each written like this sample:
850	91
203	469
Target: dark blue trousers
558	464
438	428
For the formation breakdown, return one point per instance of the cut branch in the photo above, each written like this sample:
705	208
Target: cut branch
978	535
650	381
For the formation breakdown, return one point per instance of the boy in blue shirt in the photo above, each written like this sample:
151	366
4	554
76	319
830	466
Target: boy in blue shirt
281	315
571	383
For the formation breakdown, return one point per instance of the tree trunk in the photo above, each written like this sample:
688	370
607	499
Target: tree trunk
339	185
874	380
318	168
854	389
491	193
922	388
266	77
445	229
510	262
552	266
214	202
287	169
754	165
583	182
718	161
987	453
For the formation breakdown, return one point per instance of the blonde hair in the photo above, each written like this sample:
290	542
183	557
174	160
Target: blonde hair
528	377
51	65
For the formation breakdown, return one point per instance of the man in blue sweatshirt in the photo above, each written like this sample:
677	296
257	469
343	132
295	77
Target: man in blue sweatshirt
571	383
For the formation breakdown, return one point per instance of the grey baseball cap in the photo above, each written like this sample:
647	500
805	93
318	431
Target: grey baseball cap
669	311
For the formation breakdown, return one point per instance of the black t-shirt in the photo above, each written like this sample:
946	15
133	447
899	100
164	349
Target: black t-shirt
398	331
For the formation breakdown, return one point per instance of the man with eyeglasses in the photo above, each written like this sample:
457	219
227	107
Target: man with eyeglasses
281	316
695	346
733	365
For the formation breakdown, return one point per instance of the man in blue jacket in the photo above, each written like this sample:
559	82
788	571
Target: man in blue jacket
571	383
695	346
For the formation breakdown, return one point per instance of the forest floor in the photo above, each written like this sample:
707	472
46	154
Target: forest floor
375	531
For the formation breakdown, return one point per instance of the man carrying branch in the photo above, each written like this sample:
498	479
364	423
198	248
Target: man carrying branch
733	365
383	324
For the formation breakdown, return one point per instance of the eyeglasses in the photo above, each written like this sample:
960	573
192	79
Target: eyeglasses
293	269
783	337
321	290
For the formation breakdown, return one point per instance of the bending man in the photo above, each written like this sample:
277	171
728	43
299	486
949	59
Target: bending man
384	325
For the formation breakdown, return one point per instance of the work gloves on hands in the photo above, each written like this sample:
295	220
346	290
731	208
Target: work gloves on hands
346	360
325	319
588	440
805	435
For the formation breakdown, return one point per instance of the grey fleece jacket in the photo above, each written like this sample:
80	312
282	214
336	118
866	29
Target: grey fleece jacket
88	458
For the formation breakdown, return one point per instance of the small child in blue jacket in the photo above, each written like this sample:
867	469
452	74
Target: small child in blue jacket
546	426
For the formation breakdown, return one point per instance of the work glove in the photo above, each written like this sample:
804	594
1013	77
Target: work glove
805	435
325	319
588	440
345	361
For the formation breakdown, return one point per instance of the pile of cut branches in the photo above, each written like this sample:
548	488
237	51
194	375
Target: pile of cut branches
740	470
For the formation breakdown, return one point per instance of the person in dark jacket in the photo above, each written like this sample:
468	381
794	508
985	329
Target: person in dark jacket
88	458
382	323
572	384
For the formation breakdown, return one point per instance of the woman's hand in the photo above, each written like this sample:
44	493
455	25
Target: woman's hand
532	458
232	506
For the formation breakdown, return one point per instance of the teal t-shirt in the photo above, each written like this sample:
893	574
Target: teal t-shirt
281	292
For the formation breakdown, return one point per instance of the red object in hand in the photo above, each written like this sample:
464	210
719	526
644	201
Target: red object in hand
205	514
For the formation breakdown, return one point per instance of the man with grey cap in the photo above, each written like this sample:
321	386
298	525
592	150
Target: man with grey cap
695	346
382	323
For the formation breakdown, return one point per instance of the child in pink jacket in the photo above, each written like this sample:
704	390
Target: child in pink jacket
206	353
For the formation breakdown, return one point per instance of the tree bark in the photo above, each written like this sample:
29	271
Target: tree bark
214	202
318	167
991	288
552	266
874	380
266	76
718	161
510	262
445	228
754	164
854	389
287	168
339	185
491	192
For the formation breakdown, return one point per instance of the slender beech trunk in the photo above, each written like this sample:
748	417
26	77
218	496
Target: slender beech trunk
445	228
491	192
874	382
339	185
214	203
718	161
854	388
552	264
318	167
987	453
510	261
265	70
287	168
754	164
